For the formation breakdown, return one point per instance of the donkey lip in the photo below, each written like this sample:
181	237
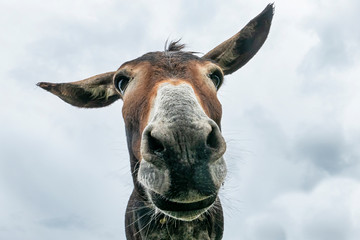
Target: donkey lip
168	205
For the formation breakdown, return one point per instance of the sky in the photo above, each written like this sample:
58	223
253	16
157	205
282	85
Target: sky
290	116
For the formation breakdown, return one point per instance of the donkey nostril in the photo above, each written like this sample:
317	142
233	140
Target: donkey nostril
155	145
212	140
215	143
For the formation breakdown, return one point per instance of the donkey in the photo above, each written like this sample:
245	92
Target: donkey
172	118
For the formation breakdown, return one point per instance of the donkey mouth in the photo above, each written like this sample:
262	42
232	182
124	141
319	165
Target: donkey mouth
184	211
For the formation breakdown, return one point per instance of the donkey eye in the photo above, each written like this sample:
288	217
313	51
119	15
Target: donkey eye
121	83
216	77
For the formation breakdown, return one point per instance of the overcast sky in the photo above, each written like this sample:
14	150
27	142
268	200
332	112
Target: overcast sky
290	116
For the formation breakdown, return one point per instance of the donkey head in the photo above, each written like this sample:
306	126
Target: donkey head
172	117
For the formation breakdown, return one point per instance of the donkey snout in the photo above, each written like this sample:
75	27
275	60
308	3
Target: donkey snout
200	142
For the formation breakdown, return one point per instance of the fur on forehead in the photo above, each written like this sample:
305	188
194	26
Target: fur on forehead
172	60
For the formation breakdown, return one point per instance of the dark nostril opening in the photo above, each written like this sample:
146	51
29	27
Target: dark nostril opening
212	140
155	146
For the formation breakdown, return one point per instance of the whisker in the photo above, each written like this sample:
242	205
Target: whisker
149	224
139	218
151	211
167	227
136	209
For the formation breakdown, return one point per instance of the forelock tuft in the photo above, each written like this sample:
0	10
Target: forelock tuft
174	46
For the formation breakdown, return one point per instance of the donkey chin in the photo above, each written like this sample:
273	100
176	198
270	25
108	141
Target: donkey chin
186	198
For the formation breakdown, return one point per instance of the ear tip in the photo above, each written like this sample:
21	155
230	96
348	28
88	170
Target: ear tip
269	10
266	16
271	6
44	85
41	84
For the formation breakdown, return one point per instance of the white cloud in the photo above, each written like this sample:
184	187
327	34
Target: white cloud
326	212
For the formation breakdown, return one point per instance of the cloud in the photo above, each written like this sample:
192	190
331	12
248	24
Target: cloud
66	222
262	228
336	47
328	212
325	148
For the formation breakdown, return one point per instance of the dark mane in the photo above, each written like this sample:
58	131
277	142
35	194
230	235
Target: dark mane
174	46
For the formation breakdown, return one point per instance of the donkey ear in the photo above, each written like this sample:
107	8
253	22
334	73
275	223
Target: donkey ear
93	92
239	49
